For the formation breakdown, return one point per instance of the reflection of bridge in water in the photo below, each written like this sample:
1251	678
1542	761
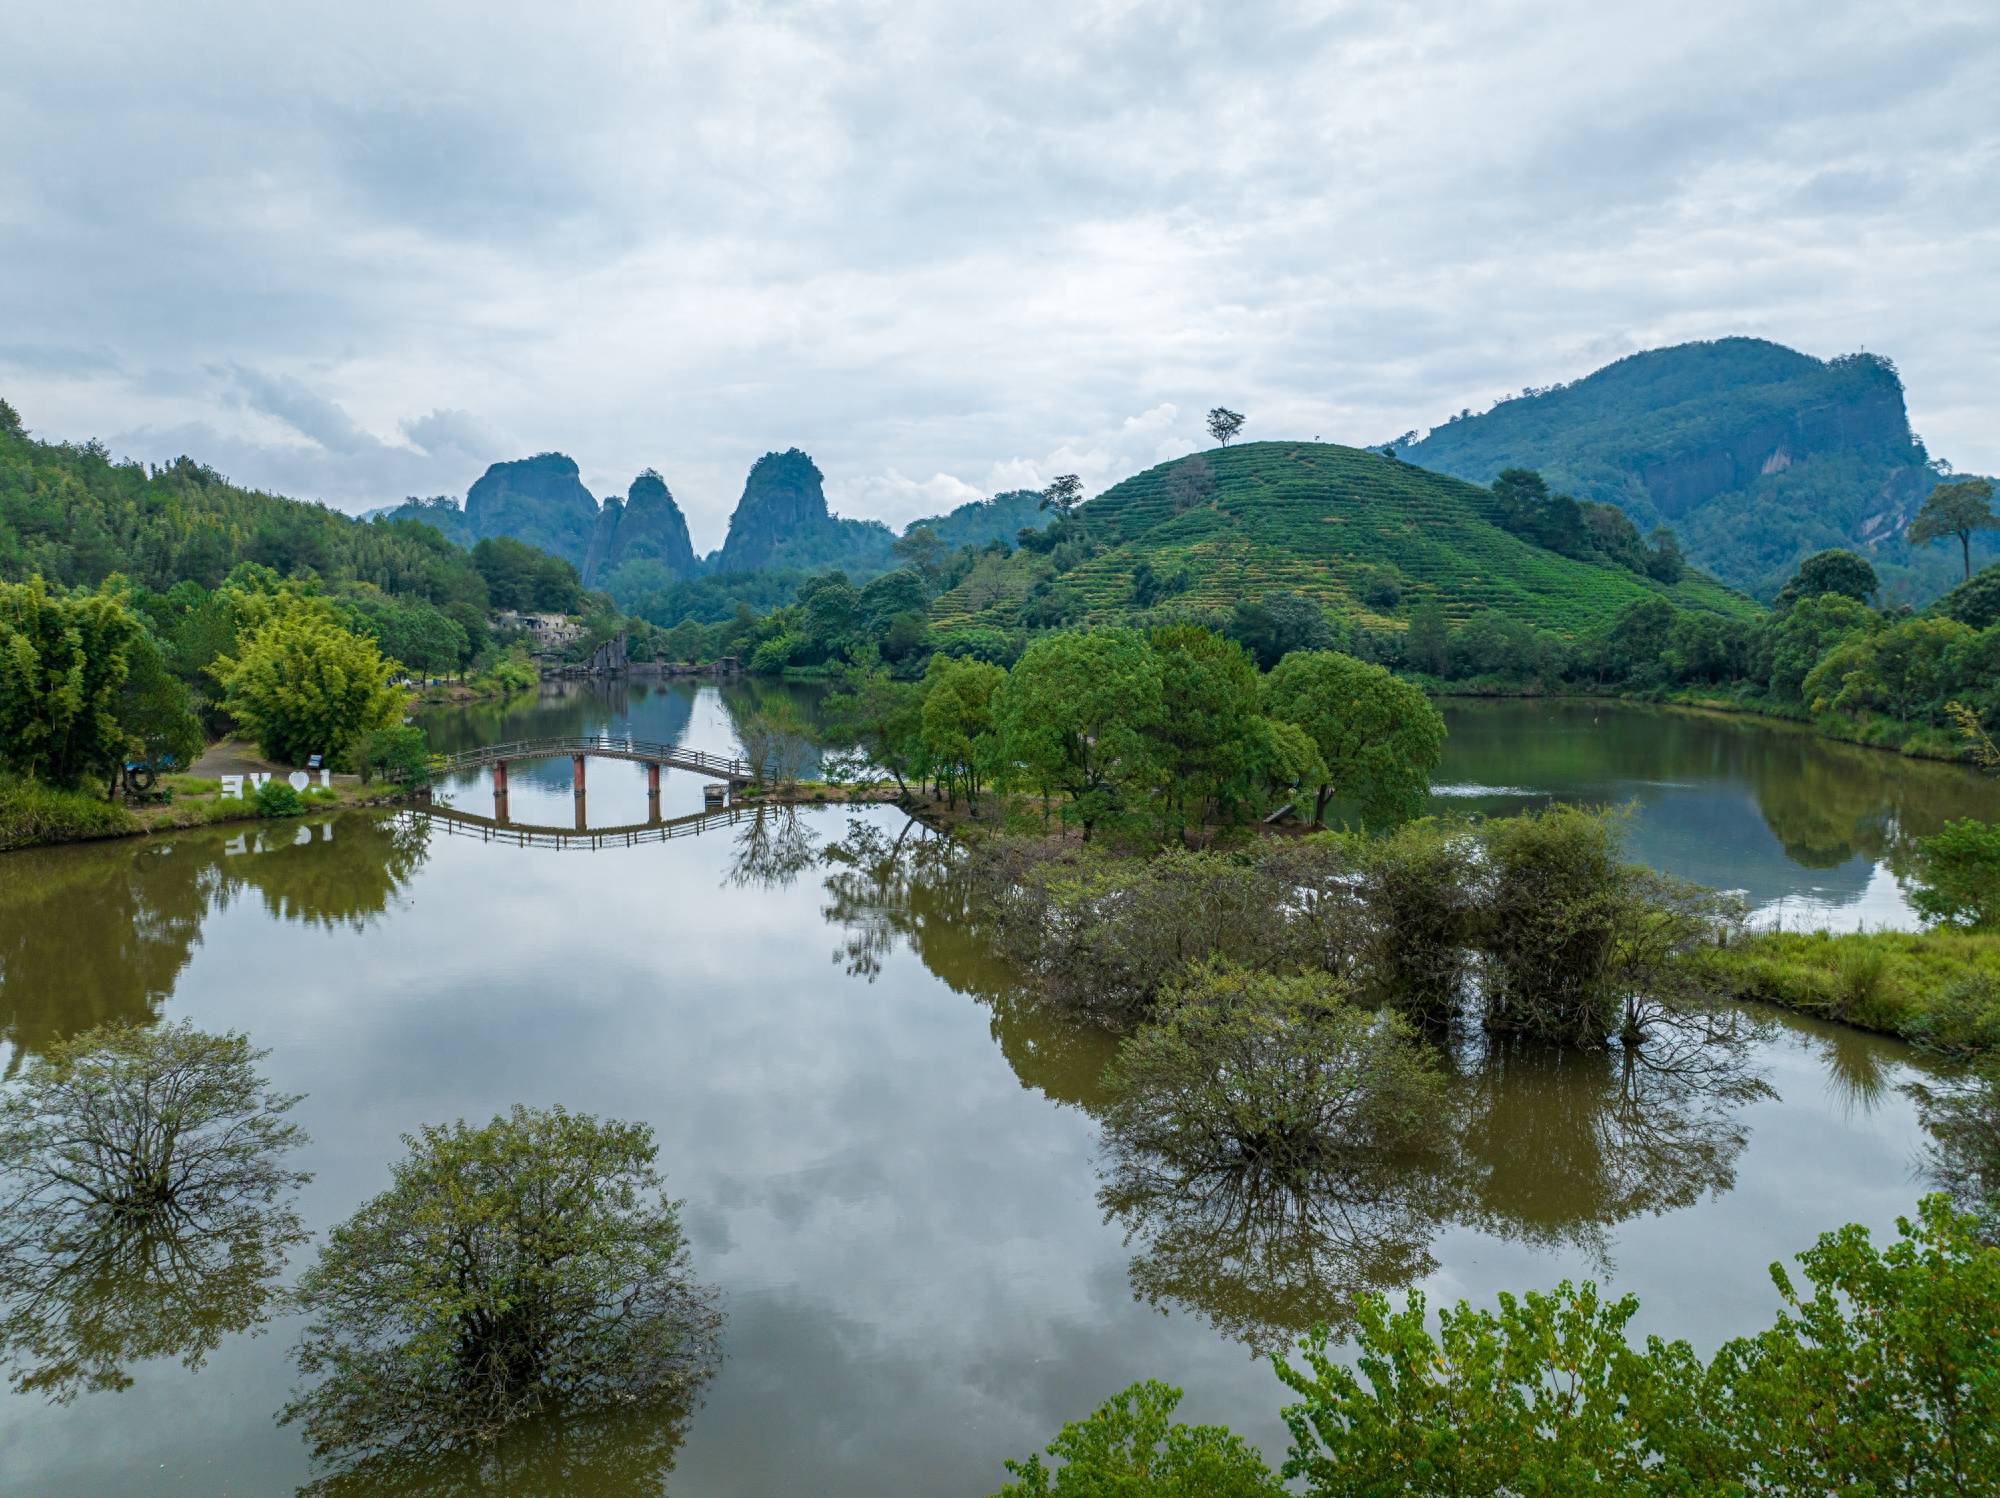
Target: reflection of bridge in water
724	775
658	830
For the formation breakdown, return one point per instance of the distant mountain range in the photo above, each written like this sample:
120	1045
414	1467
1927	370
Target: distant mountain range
781	522
1757	455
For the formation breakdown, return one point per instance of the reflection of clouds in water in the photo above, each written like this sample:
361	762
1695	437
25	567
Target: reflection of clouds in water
1466	790
1882	905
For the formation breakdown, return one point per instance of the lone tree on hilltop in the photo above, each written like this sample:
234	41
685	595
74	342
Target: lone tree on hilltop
1063	494
1955	509
1223	424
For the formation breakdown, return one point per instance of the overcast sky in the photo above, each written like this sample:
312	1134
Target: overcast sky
360	251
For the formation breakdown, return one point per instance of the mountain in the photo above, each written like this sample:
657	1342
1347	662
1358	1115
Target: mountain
539	500
1756	454
979	521
1364	534
782	524
647	526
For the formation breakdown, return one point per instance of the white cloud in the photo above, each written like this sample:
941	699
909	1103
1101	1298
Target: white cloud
926	239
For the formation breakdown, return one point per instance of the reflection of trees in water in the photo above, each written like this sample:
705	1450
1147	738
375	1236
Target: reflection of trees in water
92	935
1265	1255
1961	1112
144	1206
624	1454
773	849
1557	1146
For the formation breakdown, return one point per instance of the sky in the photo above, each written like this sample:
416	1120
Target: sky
359	252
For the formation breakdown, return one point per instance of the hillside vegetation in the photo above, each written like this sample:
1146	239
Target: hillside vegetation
1756	454
1364	535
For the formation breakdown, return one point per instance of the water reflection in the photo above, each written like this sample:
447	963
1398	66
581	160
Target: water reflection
101	934
625	1454
1549	1148
773	848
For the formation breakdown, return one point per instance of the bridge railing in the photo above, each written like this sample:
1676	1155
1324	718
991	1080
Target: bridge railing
608	837
623	747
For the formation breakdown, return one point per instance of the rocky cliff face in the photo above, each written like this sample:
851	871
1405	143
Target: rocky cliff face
539	500
646	526
782	523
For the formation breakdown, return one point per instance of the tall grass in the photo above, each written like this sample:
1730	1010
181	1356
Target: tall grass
33	813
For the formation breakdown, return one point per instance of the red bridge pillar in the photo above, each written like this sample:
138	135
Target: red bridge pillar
576	772
653	791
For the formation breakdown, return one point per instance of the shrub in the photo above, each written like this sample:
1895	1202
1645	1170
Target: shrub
32	813
1962	1020
276	798
1551	925
1132	1445
1959	875
400	754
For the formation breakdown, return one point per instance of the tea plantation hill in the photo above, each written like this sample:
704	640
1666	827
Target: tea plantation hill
1757	455
1366	535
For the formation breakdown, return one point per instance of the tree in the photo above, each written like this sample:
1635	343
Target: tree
304	685
1131	1447
1224	424
1955	509
154	707
884	717
1063	494
1205	737
1273	626
531	1265
63	662
1958	875
959	736
1075	713
1379	737
144	1203
1829	572
1427	642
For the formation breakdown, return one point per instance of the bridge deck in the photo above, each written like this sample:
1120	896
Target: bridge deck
601	746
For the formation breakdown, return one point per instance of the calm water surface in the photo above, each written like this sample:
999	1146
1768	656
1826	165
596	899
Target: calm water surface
891	1165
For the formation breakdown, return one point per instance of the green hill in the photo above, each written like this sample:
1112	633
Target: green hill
1757	455
1366	535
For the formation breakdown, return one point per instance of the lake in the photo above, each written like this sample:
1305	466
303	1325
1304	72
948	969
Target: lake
890	1161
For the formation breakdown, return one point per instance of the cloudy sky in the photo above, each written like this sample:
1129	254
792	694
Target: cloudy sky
360	251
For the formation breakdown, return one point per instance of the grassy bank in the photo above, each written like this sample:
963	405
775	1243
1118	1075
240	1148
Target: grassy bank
33	815
1940	989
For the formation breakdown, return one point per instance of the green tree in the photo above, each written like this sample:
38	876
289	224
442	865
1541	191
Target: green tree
1958	875
1273	626
1955	509
1223	424
959	737
1063	494
531	1265
1829	572
1076	713
304	685
154	707
1132	1447
63	663
1379	738
1427	642
884	717
1205	742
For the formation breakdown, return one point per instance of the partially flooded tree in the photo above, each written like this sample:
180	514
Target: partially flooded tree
144	1203
532	1266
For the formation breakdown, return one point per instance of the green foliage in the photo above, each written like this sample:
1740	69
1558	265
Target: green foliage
1378	738
33	812
1075	713
275	798
1955	511
144	1203
1976	601
1132	1447
518	576
1835	571
1940	988
400	754
63	663
881	716
527	1266
959	731
304	685
1283	1072
1958	875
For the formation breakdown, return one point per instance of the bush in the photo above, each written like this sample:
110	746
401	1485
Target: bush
400	754
1963	1020
32	813
1551	925
1958	873
1132	1446
275	798
532	1265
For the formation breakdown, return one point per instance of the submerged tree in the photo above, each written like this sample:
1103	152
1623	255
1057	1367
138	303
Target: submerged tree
144	1204
531	1266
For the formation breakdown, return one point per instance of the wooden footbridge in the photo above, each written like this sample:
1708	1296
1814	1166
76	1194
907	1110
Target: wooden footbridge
524	835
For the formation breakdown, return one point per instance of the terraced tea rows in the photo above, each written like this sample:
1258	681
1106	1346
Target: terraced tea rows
1335	524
